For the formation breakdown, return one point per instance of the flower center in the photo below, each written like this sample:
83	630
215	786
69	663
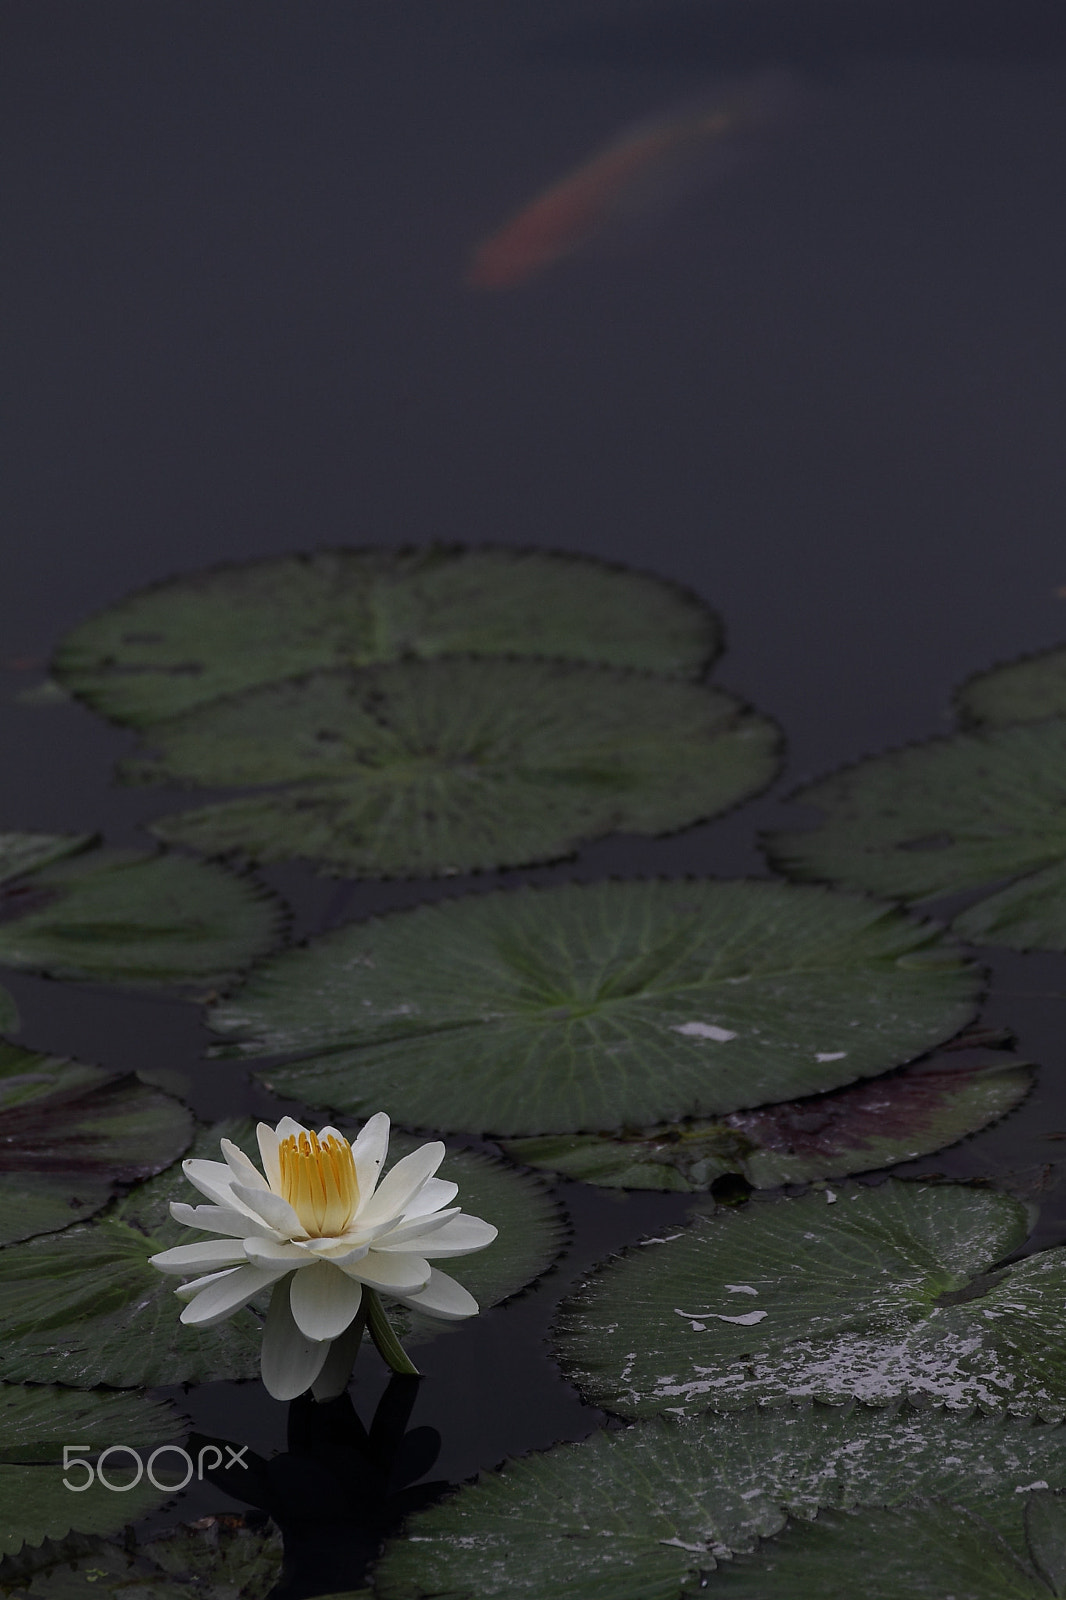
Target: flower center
318	1180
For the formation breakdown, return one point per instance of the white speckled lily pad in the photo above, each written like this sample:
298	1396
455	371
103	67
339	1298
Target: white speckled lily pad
644	1512
873	1294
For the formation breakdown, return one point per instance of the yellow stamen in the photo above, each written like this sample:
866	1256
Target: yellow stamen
318	1180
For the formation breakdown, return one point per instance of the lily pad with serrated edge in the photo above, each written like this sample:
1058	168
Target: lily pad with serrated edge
426	768
124	916
83	1307
597	1006
219	1558
952	815
639	1514
930	1551
26	852
72	1135
883	1294
1027	690
36	1424
182	643
878	1123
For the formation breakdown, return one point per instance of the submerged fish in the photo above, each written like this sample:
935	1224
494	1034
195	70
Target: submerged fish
643	169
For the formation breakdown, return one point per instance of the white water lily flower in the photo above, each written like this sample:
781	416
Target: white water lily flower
327	1235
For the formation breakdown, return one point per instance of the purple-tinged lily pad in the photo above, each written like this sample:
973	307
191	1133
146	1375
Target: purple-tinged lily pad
72	1135
890	1119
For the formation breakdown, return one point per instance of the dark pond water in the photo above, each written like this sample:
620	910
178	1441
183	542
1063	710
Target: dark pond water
828	394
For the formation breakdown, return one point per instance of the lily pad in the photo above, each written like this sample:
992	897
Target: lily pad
867	1294
952	815
192	639
930	1550
219	1558
1021	691
124	916
36	1424
25	852
895	1118
640	1514
598	1006
83	1307
71	1135
421	768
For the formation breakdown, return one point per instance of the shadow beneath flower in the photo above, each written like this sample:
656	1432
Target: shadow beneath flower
340	1489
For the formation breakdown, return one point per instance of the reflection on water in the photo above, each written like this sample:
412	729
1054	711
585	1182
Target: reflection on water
339	1489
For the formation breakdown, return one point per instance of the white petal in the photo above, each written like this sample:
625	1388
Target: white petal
432	1196
330	1132
215	1180
205	1256
459	1237
398	1188
343	1256
189	1291
442	1297
289	1128
324	1301
369	1150
355	1238
228	1294
273	1210
396	1274
290	1361
268	1252
220	1219
416	1228
242	1167
268	1151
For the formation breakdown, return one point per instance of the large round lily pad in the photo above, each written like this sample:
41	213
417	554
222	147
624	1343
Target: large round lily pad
927	1551
83	1307
421	768
1020	691
192	639
124	916
864	1294
952	815
36	1423
217	1558
589	1007
640	1514
894	1118
70	1135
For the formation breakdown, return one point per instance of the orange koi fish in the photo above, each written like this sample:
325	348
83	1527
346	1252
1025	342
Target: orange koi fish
631	173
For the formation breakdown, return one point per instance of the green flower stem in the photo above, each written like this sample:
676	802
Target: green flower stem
383	1336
